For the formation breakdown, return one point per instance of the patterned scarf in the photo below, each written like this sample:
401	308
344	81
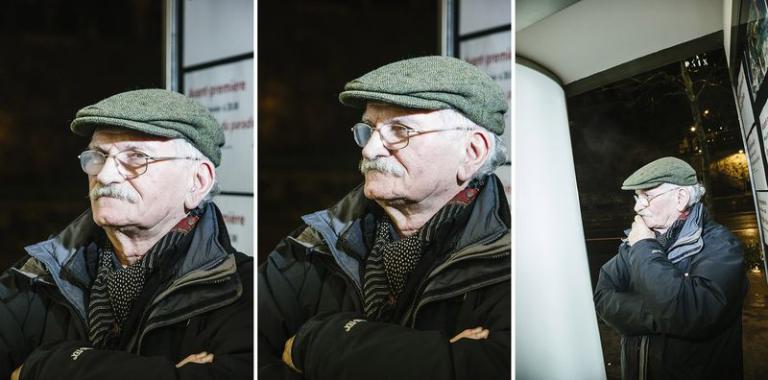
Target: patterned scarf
116	288
392	260
667	238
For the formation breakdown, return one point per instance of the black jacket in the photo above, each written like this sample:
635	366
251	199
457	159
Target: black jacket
311	285
200	300
678	321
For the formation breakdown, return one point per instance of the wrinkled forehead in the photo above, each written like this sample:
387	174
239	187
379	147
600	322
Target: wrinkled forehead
655	190
120	138
381	113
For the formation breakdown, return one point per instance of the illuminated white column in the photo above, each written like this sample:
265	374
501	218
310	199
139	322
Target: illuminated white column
556	334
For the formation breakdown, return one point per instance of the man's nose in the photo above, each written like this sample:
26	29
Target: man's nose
109	172
375	147
639	205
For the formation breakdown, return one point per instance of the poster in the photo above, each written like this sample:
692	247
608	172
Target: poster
239	216
756	162
762	206
743	103
227	91
756	44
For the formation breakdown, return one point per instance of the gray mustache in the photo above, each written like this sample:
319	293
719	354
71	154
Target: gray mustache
382	165
112	192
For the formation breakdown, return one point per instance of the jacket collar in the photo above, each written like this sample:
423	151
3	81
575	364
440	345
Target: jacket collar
65	255
342	226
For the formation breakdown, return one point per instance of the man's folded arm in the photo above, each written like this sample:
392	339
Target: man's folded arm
693	303
616	303
347	346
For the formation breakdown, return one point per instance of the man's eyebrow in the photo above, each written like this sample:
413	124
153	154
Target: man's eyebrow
407	120
130	146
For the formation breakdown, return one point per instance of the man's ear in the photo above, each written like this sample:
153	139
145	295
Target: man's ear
203	177
476	150
683	196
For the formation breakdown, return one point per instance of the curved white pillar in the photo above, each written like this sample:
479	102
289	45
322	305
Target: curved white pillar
556	334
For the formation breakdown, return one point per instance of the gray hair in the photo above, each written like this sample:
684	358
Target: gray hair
498	151
695	192
185	149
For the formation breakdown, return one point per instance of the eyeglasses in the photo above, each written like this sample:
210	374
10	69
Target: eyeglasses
130	163
393	136
646	201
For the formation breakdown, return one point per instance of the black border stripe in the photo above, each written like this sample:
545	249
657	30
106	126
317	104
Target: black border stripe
235	193
180	45
485	32
223	61
455	17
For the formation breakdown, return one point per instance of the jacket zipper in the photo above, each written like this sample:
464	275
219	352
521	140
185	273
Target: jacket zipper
145	315
416	307
169	322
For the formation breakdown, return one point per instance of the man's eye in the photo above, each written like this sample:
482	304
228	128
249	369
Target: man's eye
137	154
400	130
135	157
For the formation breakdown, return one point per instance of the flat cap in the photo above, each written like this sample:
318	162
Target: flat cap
432	83
664	170
155	112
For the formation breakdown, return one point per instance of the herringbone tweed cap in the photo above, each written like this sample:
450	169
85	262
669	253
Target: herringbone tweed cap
432	83
155	112
664	170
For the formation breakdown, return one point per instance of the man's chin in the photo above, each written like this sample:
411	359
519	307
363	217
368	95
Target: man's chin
105	216
374	191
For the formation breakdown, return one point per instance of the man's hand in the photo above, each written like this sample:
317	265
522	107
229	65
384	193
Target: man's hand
199	358
16	373
639	231
475	333
287	358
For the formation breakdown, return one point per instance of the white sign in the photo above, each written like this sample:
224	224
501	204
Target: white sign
756	162
762	207
238	216
744	104
227	91
477	15
216	29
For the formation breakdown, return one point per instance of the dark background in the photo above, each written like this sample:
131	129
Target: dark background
307	51
59	56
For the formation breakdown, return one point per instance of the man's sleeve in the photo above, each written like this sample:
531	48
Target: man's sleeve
288	293
346	346
15	304
616	303
696	303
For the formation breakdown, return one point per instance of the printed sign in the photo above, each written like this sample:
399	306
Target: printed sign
227	91
238	215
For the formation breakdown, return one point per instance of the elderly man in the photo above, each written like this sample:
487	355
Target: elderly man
408	276
145	284
675	289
